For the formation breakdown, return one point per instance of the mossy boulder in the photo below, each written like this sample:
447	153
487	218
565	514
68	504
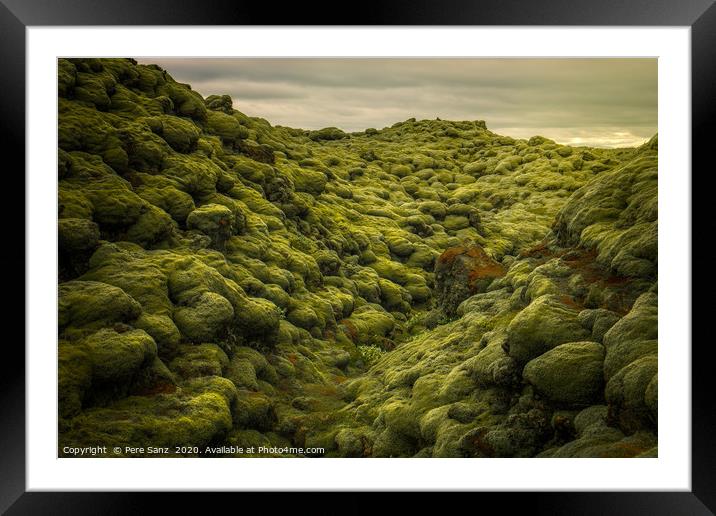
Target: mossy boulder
145	150
215	221
152	226
185	102
243	373
258	321
94	304
77	235
255	410
114	204
599	321
66	77
74	377
116	357
303	317
93	89
140	276
197	414
220	103
182	135
595	438
633	336
328	262
76	239
546	323
327	133
199	360
394	298
206	319
368	326
631	395
476	168
569	374
226	127
456	222
176	203
193	174
163	330
309	181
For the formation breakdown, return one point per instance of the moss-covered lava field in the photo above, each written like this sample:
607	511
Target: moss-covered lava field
429	289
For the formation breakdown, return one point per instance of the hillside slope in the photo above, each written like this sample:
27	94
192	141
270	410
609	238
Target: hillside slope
427	289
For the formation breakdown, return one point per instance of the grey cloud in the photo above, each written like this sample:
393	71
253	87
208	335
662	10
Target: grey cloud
591	101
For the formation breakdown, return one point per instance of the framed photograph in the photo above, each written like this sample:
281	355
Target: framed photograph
419	252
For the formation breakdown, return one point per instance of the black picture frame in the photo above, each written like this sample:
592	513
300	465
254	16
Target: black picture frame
17	15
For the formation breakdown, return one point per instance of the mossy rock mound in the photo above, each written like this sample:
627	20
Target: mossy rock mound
327	133
94	304
77	235
631	395
633	336
198	413
215	221
546	323
370	327
220	103
194	361
570	374
181	135
258	321
206	319
116	356
226	127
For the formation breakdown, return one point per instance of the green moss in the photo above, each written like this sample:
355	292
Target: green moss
206	319
141	276
73	204
185	101
91	304
113	201
199	360
181	135
163	330
197	414
219	103
226	127
152	226
258	320
327	133
74	377
77	235
368	326
633	336
309	181
543	325
569	374
214	220
369	354
243	374
626	394
66	77
176	203
194	175
116	357
255	410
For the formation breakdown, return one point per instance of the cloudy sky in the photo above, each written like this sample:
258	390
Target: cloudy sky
599	102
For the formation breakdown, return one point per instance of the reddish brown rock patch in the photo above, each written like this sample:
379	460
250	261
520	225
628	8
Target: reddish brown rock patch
461	272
